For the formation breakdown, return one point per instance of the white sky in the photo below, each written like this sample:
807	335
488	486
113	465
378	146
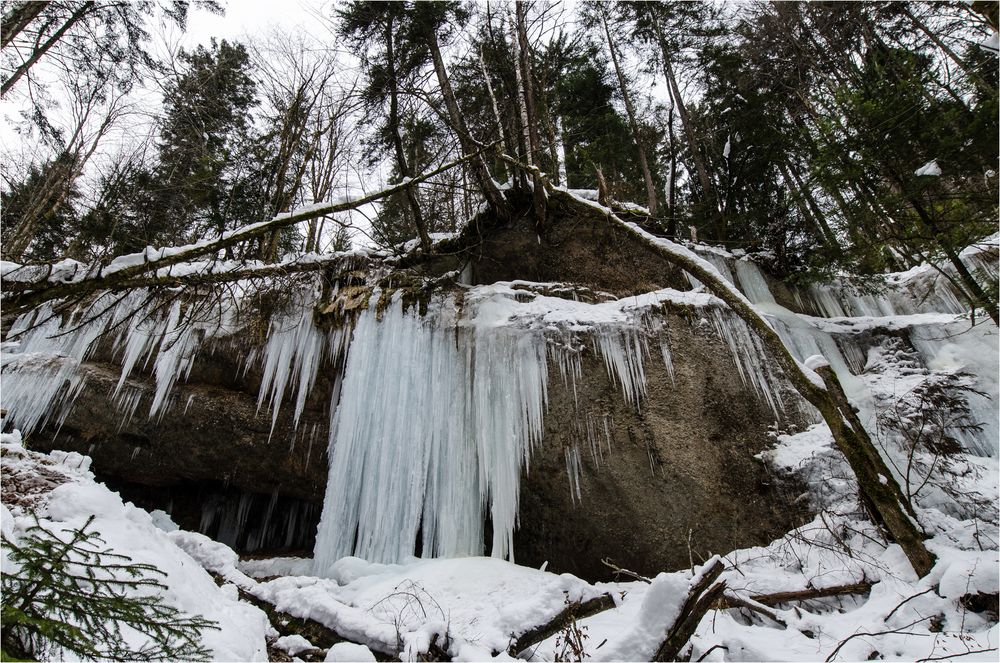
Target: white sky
249	16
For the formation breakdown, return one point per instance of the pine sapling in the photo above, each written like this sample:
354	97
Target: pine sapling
69	592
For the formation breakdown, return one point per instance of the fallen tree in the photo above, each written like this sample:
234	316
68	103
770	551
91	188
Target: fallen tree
22	294
816	383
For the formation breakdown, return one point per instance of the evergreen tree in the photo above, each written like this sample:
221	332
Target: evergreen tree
383	33
67	593
204	145
42	197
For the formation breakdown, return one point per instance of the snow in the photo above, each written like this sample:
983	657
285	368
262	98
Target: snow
815	362
346	651
296	644
410	474
473	606
131	531
438	418
477	602
931	169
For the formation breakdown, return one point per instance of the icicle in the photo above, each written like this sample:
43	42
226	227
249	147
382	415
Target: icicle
623	351
565	353
748	356
573	473
752	282
292	355
826	301
467	410
668	360
40	377
956	347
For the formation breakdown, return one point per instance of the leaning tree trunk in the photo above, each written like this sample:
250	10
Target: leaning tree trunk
18	19
647	175
880	492
971	73
496	107
44	48
494	197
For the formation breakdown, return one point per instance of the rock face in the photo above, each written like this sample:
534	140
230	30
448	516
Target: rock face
658	485
671	481
651	487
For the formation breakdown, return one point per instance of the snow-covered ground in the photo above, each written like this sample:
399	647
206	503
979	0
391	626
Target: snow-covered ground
919	370
75	496
473	607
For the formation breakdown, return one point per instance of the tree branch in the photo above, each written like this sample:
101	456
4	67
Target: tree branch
127	269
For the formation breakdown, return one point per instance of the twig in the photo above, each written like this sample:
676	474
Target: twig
574	611
951	656
710	650
625	572
734	601
905	601
861	634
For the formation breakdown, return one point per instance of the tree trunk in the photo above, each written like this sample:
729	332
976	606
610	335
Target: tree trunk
989	10
808	206
572	612
494	197
397	138
647	176
530	112
672	182
80	12
699	600
496	107
978	80
20	296
879	489
18	19
694	147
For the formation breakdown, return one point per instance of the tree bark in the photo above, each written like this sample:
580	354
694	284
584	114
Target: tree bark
36	54
879	489
803	595
647	176
672	182
978	80
573	611
493	102
20	296
18	19
530	115
397	138
494	197
700	599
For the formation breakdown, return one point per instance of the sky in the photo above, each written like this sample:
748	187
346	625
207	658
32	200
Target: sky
247	16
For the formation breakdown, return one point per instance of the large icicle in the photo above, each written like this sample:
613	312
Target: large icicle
40	378
434	427
41	367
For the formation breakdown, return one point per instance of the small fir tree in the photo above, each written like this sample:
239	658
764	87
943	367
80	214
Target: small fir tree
71	593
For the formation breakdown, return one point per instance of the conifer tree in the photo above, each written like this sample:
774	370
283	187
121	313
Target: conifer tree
67	593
